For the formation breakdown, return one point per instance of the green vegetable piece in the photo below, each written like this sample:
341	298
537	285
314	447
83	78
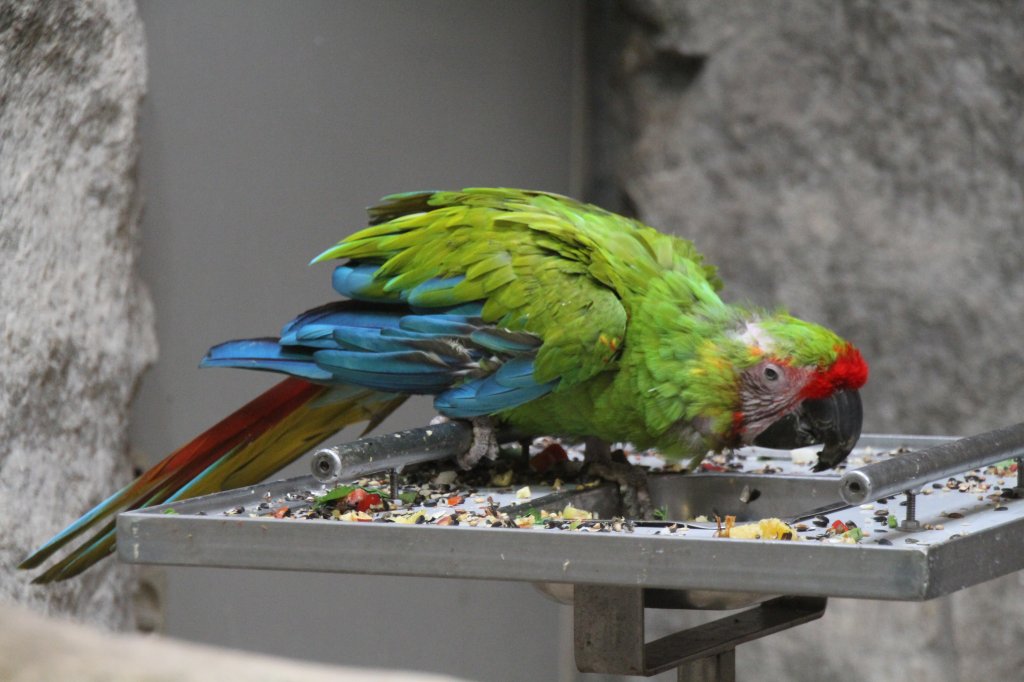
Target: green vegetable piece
892	521
336	494
534	512
344	491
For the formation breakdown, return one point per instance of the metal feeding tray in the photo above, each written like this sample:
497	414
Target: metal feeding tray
913	518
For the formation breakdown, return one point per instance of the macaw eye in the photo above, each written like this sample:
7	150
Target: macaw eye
771	373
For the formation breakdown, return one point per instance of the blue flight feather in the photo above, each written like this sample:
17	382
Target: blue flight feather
372	371
401	362
361	339
504	343
342	314
486	396
516	373
264	354
510	386
312	335
439	325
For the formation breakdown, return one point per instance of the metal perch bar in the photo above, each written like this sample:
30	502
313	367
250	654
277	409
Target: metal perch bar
391	451
912	470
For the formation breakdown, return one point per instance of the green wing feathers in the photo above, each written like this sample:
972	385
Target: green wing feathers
542	263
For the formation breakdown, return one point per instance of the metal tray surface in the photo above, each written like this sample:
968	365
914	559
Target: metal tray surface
966	537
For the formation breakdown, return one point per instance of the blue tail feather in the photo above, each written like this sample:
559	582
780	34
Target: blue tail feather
84	521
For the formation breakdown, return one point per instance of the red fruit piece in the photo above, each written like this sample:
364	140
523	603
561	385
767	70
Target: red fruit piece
548	457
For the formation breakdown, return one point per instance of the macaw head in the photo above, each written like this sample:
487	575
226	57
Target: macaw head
790	384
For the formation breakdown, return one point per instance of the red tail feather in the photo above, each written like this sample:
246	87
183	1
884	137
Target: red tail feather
242	449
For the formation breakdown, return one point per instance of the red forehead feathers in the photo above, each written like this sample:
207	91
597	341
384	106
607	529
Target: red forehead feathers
849	371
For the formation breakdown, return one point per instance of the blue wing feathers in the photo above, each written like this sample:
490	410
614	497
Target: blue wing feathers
439	325
402	362
516	373
400	347
354	281
407	372
345	314
265	354
505	342
487	396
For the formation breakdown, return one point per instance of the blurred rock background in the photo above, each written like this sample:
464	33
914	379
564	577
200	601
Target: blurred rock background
861	163
76	321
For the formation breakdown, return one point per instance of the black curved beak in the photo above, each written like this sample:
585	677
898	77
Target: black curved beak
834	421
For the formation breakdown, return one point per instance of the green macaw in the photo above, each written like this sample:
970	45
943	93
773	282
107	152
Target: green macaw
523	310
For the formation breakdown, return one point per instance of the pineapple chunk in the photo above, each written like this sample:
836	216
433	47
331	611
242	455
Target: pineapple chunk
765	529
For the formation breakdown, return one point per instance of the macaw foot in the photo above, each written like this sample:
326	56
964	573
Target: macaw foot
485	441
631	480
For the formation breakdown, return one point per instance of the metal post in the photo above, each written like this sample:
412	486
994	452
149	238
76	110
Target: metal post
609	634
720	668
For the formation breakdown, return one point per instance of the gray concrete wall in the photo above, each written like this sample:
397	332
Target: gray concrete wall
76	325
267	128
862	164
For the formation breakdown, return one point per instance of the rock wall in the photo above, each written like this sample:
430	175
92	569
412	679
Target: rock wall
861	163
76	325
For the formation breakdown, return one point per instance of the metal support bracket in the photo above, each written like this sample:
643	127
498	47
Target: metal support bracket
609	634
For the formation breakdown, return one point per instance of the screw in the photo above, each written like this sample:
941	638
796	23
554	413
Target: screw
911	523
393	480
